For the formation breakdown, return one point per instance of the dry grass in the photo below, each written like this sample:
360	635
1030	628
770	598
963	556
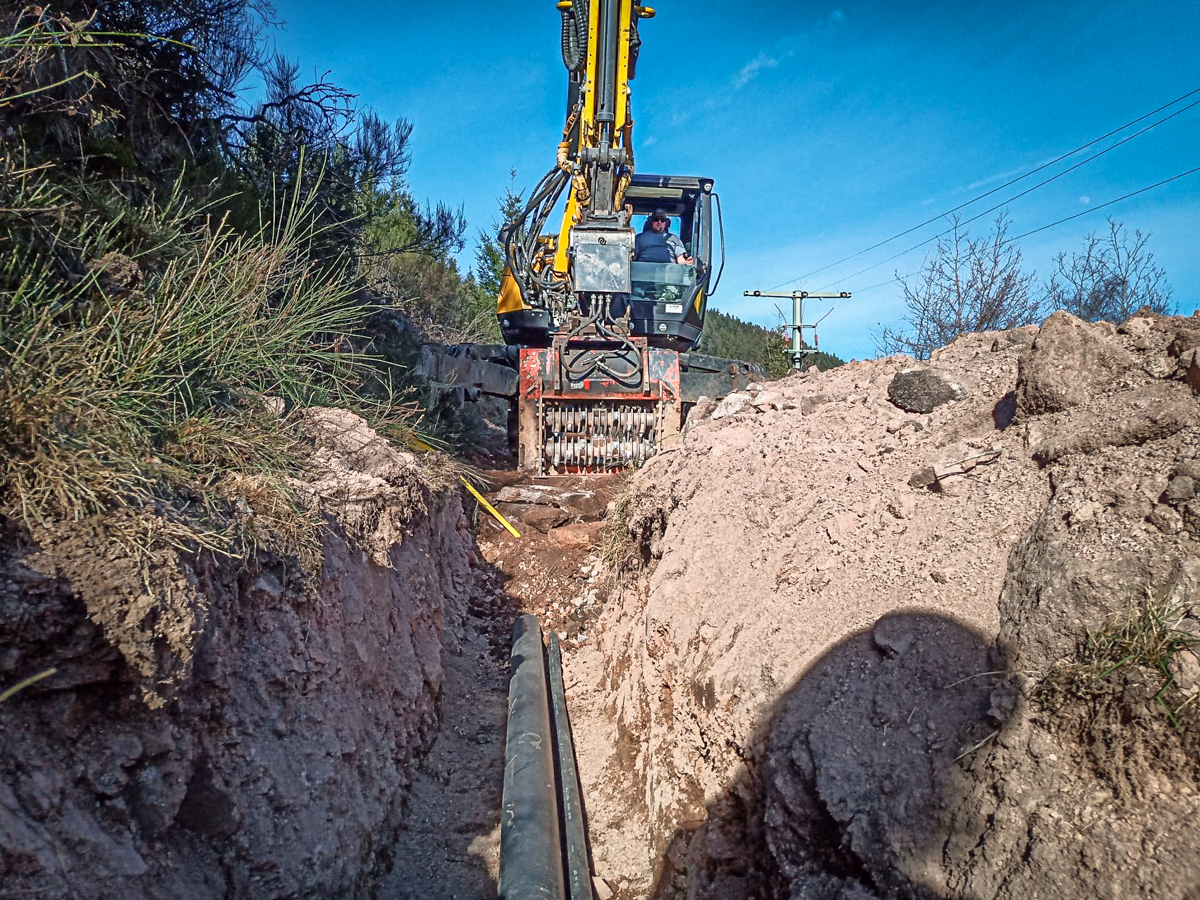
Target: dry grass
24	683
146	363
620	549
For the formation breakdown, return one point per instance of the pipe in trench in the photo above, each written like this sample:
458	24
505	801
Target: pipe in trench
579	882
531	863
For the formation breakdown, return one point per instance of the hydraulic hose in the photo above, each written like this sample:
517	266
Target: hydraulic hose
585	364
574	34
521	235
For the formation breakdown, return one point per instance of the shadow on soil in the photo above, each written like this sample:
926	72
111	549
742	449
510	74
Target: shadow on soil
849	785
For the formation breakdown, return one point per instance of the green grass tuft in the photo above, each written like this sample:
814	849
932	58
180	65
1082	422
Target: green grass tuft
1144	638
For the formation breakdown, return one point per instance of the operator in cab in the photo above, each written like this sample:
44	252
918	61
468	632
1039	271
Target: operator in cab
657	244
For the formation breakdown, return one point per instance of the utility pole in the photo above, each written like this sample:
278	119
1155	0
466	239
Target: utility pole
798	297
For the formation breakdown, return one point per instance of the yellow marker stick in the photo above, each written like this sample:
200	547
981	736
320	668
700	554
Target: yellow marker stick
499	518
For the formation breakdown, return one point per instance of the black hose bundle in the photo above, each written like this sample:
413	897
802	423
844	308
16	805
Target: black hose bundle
589	363
574	35
521	235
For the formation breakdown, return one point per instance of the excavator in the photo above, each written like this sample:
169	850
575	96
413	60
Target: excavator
599	361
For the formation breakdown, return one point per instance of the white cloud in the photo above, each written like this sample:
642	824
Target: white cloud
750	70
1085	199
1004	176
991	179
649	142
835	18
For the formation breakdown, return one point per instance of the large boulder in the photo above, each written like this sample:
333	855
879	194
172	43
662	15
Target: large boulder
1070	362
922	390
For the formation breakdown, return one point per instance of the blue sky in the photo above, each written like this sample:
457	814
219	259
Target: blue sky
828	127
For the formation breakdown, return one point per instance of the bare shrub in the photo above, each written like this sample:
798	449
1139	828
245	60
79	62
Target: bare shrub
1112	278
964	285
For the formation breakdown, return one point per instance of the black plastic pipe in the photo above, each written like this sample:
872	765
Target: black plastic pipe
531	864
579	880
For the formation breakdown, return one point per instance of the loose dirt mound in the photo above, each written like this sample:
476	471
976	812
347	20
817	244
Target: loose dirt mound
826	678
219	728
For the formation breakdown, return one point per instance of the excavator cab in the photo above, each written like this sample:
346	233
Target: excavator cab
667	300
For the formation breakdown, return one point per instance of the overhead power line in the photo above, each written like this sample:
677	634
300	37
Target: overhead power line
880	284
1109	203
1088	211
994	190
1028	190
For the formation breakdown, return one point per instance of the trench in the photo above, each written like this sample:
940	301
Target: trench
449	844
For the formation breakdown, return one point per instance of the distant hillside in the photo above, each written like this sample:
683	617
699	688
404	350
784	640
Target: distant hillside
730	337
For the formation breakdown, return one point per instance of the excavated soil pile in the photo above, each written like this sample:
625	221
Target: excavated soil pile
220	727
832	672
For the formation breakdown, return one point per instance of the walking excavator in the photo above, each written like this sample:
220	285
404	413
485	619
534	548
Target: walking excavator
599	362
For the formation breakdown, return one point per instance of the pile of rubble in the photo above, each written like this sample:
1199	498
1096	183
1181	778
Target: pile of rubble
827	678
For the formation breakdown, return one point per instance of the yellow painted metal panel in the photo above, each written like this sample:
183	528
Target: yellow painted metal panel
588	119
510	295
622	87
564	241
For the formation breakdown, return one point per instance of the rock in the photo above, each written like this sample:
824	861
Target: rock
731	405
1070	362
892	636
601	889
577	535
543	518
1191	516
768	400
105	778
1192	373
1166	520
811	402
1130	417
40	792
534	494
1002	702
1184	666
1158	366
1021	337
902	506
1187	337
703	409
923	478
922	390
1084	514
1135	325
1189	468
1180	490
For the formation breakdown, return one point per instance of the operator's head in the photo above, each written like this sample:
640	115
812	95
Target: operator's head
659	220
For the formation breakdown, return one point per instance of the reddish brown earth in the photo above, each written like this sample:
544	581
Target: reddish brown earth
222	727
823	674
807	654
